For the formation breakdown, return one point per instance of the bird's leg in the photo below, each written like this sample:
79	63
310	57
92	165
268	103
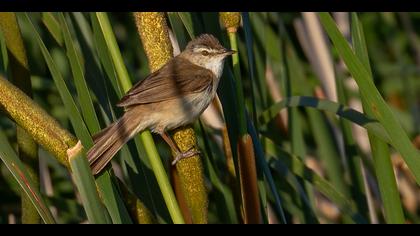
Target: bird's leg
178	154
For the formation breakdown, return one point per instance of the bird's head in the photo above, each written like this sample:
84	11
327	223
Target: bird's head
206	51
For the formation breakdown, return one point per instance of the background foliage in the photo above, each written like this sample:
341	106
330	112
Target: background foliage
300	76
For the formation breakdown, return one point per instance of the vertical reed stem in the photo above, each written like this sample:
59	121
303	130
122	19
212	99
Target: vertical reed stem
246	159
19	70
153	31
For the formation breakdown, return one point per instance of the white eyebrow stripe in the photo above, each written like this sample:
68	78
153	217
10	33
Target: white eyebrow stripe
200	49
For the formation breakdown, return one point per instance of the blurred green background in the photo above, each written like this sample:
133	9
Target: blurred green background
281	55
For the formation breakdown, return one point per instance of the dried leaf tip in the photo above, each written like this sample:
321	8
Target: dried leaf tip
74	151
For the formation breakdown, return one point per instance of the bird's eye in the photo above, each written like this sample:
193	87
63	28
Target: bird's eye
205	53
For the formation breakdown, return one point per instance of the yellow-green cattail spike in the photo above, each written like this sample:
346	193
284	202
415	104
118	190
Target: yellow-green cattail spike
230	20
154	34
43	128
19	71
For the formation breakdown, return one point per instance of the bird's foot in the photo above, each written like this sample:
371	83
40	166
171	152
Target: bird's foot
183	155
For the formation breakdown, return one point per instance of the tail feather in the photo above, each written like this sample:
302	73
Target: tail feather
109	141
96	137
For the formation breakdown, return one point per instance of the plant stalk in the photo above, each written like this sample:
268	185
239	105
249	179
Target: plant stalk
380	151
43	128
246	160
154	35
18	66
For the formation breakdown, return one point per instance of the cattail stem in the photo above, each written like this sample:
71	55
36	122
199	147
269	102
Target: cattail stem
140	213
248	179
246	159
191	174
228	152
153	32
43	128
239	87
18	66
179	193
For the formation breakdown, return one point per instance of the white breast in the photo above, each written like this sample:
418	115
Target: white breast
183	111
200	101
215	66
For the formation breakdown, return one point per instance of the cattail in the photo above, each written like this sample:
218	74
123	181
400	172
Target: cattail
230	20
154	34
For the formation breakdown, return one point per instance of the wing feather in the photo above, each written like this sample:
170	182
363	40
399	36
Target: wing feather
177	78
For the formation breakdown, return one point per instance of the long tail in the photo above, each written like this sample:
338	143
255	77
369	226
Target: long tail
110	140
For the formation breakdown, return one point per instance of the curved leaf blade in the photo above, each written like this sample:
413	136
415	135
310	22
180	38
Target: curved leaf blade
17	169
370	93
343	111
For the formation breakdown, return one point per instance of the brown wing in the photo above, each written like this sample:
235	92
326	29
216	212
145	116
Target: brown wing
178	77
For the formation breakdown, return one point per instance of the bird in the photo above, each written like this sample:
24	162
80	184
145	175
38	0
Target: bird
173	96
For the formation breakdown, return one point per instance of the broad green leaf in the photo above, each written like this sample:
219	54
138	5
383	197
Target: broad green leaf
53	26
111	197
85	100
85	183
380	150
87	186
187	21
76	119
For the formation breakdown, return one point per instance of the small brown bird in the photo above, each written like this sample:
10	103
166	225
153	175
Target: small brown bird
170	97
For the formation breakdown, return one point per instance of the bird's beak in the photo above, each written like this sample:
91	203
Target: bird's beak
229	52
